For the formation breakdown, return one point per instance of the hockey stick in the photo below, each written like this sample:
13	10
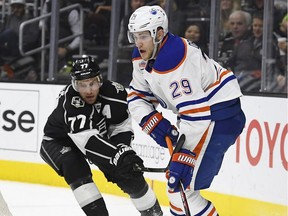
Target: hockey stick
181	187
137	167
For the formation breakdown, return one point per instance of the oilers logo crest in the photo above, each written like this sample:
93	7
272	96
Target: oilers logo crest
142	65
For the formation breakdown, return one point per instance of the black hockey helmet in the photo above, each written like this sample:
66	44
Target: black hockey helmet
84	68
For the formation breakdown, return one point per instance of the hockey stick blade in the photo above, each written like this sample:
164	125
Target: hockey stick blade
137	167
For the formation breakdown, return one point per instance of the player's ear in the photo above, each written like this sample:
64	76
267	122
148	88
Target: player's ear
160	34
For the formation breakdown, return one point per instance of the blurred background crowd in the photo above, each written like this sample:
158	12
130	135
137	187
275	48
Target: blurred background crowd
248	37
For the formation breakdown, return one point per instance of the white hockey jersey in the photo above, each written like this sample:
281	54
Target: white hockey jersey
185	80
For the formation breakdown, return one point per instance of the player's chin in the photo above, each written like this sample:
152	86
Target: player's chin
144	57
90	100
143	54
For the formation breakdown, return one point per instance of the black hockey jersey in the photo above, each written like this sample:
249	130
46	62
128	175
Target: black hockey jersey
109	115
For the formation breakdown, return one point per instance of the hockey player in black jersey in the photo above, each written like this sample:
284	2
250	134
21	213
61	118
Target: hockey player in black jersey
91	123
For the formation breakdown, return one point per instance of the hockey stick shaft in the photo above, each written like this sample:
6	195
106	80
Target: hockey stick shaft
182	192
139	168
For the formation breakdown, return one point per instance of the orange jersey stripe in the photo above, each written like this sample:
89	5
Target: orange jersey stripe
163	42
212	212
140	95
197	110
135	93
175	207
199	146
137	58
218	81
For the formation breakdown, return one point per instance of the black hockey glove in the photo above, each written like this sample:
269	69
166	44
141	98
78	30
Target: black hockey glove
124	159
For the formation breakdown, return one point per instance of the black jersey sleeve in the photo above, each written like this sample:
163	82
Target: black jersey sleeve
55	126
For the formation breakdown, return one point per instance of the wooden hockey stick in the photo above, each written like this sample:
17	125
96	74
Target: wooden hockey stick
181	187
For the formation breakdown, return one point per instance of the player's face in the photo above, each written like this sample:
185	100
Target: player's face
89	89
144	43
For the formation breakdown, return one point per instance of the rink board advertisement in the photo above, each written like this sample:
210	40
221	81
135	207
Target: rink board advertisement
254	168
24	109
19	116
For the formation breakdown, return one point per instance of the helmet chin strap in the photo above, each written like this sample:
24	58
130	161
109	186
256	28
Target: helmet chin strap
156	46
73	82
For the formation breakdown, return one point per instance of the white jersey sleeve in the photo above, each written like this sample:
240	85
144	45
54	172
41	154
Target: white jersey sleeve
141	100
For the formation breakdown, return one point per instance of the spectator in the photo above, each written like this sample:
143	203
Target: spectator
280	86
15	66
177	21
196	11
97	22
69	24
257	6
9	36
282	40
252	6
226	8
239	25
194	32
246	60
282	29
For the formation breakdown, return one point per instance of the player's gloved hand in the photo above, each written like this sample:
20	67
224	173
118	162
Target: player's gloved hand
181	168
124	159
158	128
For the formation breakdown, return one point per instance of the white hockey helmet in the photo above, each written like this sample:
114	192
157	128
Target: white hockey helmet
147	18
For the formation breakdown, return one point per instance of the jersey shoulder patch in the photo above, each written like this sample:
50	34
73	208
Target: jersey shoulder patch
67	92
171	54
69	96
113	90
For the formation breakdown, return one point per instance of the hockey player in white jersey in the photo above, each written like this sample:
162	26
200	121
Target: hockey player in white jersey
173	72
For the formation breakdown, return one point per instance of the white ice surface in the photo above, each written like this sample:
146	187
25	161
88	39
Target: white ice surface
39	200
